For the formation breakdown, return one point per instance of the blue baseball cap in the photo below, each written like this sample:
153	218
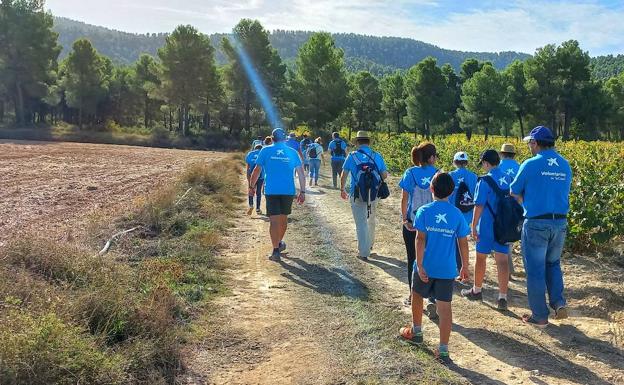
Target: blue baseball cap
279	134
541	133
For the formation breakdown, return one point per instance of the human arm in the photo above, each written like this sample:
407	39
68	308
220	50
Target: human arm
420	255
476	216
343	182
253	179
518	185
464	274
404	213
302	185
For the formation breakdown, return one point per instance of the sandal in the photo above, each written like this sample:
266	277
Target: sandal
407	333
528	319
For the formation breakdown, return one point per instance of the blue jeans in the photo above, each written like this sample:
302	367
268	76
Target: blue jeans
542	244
315	168
258	195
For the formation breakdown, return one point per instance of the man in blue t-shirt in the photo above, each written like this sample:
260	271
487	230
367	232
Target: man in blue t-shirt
509	166
251	159
542	186
486	202
338	150
303	148
278	162
293	143
363	212
441	229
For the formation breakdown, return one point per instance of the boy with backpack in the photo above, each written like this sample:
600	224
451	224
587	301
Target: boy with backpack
510	167
441	228
305	142
465	185
338	149
251	159
495	223
368	171
314	154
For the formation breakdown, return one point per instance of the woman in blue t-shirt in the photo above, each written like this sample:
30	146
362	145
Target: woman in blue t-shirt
416	183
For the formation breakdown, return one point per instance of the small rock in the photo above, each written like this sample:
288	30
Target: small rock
91	188
535	372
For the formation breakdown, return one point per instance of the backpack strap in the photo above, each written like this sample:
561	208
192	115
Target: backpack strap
495	188
372	159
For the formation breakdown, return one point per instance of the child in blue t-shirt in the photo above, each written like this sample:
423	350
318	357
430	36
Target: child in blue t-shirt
251	159
486	202
440	229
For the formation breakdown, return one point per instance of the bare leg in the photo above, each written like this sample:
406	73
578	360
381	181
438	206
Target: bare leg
502	265
480	269
417	309
275	230
283	226
446	321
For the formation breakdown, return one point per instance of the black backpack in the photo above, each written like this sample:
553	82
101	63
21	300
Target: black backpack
338	150
312	153
509	214
464	201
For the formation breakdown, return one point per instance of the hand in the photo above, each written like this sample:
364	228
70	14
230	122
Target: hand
423	274
475	235
409	226
343	194
301	197
464	274
251	192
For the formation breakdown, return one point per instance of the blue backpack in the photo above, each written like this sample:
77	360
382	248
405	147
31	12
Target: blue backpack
509	214
369	185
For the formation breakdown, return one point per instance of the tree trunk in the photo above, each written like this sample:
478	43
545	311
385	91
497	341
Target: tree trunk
521	125
146	112
567	121
80	117
398	116
1	110
19	104
487	128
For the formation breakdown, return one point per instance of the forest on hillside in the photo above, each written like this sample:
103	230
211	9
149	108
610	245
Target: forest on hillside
185	90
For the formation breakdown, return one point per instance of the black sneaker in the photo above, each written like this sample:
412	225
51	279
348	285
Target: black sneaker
471	295
432	311
282	246
275	256
502	304
443	357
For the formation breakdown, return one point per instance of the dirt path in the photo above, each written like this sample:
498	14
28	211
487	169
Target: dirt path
322	316
51	188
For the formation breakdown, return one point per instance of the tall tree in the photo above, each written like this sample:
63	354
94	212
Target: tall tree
146	71
517	96
185	58
428	96
366	100
320	84
541	74
483	99
393	100
85	79
29	53
614	89
252	41
468	68
453	86
574	73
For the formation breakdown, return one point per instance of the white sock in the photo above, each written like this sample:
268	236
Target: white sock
502	296
476	290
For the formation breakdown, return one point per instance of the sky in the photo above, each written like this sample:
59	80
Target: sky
466	25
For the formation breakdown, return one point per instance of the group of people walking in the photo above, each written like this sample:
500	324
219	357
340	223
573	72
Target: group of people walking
508	203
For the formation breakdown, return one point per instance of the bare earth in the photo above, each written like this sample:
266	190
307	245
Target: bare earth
321	316
50	188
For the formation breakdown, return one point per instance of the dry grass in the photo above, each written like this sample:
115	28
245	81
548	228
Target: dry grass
120	318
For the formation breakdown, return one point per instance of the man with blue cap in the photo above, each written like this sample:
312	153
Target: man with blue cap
542	186
278	161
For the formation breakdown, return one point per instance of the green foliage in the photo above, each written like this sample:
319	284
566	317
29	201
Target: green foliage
365	100
428	97
319	86
483	99
393	100
597	197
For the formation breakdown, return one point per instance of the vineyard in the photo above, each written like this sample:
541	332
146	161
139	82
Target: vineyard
597	198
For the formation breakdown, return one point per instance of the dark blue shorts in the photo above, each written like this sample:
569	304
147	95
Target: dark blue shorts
440	289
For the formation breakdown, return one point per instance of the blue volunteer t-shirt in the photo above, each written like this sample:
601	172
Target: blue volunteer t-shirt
416	176
278	163
509	167
443	225
337	143
293	143
304	147
459	175
350	164
544	182
484	195
251	159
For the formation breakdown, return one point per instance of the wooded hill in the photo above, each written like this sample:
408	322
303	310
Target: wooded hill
378	55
